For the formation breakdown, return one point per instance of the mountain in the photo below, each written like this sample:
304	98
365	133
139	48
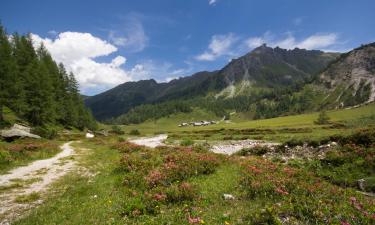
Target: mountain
264	67
350	79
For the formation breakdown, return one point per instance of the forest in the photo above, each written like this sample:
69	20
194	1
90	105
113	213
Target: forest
37	89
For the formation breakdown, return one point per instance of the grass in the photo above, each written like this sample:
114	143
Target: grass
137	185
28	198
118	193
280	129
24	151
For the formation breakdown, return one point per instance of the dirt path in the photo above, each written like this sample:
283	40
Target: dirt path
151	142
31	180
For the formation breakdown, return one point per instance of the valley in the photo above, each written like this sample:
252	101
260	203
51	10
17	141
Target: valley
170	112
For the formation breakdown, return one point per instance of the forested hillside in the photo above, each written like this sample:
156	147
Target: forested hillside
36	88
264	73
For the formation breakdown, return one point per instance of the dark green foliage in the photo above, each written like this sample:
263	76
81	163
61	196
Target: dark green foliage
187	142
117	130
45	132
323	118
37	89
256	150
134	132
142	113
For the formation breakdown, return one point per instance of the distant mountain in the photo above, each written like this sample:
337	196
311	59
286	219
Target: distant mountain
263	67
350	79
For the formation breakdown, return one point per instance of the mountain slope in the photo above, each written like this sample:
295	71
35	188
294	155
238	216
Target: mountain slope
351	78
263	67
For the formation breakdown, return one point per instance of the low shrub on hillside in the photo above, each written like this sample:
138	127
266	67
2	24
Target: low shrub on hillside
256	150
187	142
24	150
297	196
46	132
159	176
135	132
117	130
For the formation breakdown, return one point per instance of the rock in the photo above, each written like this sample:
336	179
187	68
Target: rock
21	127
18	131
89	135
361	184
228	197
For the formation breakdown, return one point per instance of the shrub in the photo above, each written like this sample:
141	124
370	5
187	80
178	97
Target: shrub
181	192
323	118
256	150
117	130
300	196
5	157
187	142
135	132
45	132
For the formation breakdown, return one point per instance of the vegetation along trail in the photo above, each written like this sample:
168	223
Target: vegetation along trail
21	187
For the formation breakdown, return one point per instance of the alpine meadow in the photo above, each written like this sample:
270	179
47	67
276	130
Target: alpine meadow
200	112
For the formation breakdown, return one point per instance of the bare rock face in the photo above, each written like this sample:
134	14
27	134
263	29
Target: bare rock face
351	77
18	131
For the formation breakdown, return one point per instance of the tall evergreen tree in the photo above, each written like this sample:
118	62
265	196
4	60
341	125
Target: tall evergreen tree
36	88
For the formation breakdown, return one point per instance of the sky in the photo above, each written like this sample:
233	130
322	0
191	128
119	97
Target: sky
106	43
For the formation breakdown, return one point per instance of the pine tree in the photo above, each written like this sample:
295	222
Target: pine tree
10	90
323	118
36	88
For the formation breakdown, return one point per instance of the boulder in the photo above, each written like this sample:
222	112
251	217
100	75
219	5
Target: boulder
228	197
89	135
18	131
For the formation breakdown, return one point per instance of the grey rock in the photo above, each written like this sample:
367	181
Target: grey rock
228	197
18	132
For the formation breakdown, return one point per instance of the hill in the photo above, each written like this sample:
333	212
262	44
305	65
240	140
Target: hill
264	67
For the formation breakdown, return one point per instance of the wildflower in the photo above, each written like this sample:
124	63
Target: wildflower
193	220
226	223
281	191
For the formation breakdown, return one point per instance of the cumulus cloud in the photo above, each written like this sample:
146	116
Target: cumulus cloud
130	36
212	2
316	41
220	45
78	52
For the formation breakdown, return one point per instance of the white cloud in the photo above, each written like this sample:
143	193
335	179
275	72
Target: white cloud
130	36
78	51
254	42
212	2
316	41
220	45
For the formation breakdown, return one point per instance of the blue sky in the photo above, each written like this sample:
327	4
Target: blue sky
109	42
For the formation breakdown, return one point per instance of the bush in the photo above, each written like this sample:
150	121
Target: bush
135	132
256	150
49	133
181	192
5	157
117	130
323	118
187	142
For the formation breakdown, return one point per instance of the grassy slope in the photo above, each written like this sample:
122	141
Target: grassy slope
169	125
101	199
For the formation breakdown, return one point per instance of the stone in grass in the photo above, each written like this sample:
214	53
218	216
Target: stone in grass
228	197
18	131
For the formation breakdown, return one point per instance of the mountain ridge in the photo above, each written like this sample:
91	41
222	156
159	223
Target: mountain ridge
262	67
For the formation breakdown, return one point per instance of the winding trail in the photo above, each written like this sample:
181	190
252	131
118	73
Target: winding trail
33	178
151	142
